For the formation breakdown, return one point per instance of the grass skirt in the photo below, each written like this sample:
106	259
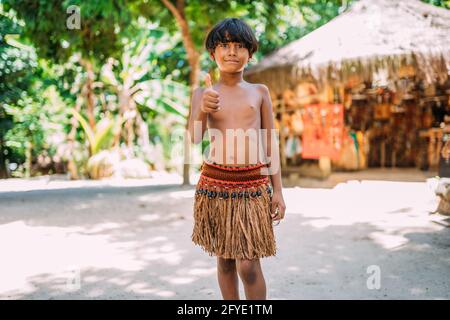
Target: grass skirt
232	210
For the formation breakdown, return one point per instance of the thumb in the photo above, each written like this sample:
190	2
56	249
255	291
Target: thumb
208	81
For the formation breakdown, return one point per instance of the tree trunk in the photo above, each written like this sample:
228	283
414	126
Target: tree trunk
142	130
194	81
3	170
194	63
72	167
28	159
90	101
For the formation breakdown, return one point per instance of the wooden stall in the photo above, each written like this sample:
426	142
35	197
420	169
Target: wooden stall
368	89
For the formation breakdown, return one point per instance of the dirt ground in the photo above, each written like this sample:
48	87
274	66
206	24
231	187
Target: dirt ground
131	240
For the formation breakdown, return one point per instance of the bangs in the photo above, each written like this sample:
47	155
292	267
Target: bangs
229	33
231	30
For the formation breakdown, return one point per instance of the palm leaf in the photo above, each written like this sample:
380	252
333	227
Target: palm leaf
86	127
101	136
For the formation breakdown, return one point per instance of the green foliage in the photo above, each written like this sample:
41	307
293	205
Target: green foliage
102	137
294	19
98	36
27	130
439	3
276	23
38	124
17	62
141	72
138	75
31	112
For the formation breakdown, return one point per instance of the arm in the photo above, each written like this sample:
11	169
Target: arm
197	117
275	166
268	124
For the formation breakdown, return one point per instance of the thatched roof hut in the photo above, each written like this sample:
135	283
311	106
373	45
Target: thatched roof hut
370	36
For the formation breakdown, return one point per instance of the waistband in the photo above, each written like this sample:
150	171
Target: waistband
248	176
233	168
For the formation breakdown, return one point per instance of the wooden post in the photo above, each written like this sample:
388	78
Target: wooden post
282	109
394	158
28	158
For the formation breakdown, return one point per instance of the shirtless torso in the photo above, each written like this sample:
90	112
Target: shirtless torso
236	138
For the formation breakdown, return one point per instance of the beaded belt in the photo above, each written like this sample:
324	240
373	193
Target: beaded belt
225	182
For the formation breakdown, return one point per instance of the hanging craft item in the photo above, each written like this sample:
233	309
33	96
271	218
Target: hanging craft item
362	149
293	147
382	111
289	99
427	118
287	124
298	146
430	90
297	123
383	107
304	92
348	159
322	130
289	146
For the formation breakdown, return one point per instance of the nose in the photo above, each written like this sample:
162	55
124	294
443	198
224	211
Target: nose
232	50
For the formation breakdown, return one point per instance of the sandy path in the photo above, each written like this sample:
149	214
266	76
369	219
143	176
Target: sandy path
103	241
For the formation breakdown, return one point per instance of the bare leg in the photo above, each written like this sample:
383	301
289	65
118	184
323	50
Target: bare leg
253	279
228	278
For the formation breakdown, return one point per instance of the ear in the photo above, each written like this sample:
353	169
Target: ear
211	55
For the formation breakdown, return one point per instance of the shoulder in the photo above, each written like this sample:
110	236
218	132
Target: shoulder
262	88
263	91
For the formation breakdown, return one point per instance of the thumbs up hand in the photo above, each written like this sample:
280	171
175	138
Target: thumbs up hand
210	99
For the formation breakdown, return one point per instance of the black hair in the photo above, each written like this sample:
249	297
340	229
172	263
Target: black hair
231	30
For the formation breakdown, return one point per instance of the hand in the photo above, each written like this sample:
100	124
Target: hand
210	99
278	203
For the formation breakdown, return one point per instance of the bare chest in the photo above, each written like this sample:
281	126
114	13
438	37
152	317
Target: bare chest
239	109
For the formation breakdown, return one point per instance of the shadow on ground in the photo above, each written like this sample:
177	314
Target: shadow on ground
134	243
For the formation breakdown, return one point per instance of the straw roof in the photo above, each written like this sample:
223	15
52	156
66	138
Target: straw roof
370	36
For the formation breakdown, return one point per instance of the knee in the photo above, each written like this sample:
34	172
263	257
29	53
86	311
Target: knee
226	265
248	270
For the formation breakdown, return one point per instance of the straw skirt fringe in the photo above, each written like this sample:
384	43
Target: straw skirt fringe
231	215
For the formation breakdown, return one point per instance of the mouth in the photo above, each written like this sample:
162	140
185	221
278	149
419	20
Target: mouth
232	61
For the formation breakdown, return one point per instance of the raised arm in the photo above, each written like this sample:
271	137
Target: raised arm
197	117
204	101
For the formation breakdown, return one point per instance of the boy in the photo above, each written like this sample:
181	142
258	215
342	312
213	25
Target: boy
234	203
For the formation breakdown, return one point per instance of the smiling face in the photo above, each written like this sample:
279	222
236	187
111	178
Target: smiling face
231	56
